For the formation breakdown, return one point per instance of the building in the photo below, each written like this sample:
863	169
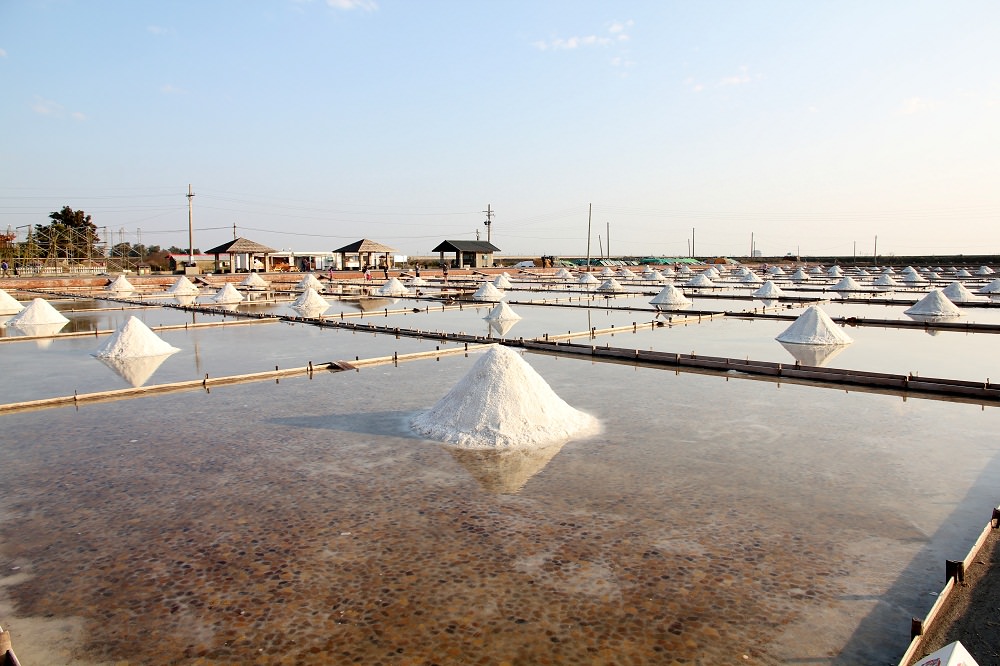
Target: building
468	254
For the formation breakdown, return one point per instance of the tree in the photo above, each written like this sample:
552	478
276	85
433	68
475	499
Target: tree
71	233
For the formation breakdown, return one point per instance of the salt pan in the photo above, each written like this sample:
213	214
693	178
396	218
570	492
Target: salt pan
502	403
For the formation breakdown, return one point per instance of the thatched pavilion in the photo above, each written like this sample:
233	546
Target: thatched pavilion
368	253
249	249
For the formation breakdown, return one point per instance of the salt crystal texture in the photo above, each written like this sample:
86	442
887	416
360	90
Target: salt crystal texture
502	403
134	340
39	311
814	327
9	304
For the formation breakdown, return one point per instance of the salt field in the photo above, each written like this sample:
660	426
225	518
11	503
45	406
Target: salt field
712	517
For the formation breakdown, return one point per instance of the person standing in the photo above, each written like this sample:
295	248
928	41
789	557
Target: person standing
5	267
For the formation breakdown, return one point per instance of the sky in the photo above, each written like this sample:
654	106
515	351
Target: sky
812	128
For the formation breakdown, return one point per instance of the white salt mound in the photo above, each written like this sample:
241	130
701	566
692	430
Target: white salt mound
958	293
502	312
254	281
992	288
846	284
392	288
814	327
934	304
227	294
310	300
502	403
120	284
700	280
417	282
670	295
309	281
488	292
768	290
39	311
588	278
611	284
502	282
134	340
9	304
183	287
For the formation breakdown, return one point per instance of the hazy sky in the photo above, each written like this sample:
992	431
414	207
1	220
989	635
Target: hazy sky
813	125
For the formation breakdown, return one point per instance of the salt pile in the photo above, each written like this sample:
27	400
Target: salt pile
914	278
606	273
835	271
183	287
502	282
751	278
963	273
588	278
488	292
307	282
992	288
502	312
816	270
310	300
846	284
768	290
9	304
134	340
776	270
814	327
952	654
611	284
563	274
985	270
684	270
885	280
626	274
502	403
800	276
392	288
39	311
657	276
934	304
120	285
227	294
957	293
417	281
670	297
700	280
254	281
667	271
711	273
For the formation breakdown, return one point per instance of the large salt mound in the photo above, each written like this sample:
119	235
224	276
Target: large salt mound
611	284
120	285
227	294
183	287
992	288
588	278
9	304
309	281
700	280
563	274
670	296
814	327
502	403
502	282
934	304
254	281
958	293
39	311
310	300
502	312
488	292
392	288
846	284
134	340
768	290
800	276
417	282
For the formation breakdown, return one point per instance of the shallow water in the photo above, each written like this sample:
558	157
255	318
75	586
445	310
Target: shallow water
714	517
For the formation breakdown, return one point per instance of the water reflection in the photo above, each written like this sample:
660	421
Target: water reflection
813	355
135	371
42	331
504	472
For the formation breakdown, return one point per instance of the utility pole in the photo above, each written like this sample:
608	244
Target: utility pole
590	210
692	242
234	231
190	196
489	221
751	245
609	238
876	248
